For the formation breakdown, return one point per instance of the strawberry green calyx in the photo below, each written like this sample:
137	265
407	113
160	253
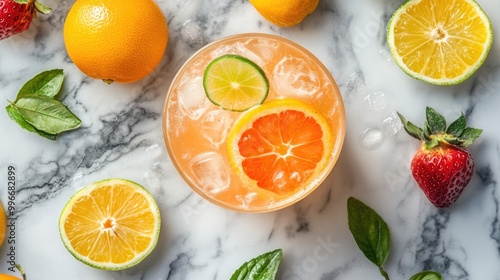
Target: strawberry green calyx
436	132
39	7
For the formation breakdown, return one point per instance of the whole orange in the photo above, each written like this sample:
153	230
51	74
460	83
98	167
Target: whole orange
116	40
285	13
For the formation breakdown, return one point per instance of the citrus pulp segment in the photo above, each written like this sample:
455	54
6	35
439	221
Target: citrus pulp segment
440	42
111	224
235	83
280	146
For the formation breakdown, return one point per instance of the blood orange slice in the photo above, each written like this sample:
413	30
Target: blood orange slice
280	146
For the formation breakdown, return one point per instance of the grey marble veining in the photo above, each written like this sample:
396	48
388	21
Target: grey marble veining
121	136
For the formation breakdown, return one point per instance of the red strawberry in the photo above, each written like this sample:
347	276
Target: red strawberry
443	166
16	15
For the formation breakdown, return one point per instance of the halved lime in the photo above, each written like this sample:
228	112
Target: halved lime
235	83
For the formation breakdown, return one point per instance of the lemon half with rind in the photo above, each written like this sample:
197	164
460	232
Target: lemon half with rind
112	224
440	42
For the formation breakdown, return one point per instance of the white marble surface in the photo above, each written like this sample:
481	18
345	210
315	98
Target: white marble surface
121	136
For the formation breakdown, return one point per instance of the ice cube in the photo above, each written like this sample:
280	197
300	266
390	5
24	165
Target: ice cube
247	199
295	76
376	101
238	49
192	99
210	172
355	84
215	126
371	138
264	48
154	151
392	124
326	99
192	34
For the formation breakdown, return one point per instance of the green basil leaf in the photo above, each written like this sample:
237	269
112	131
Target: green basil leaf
47	83
436	122
263	267
427	275
16	116
369	230
47	114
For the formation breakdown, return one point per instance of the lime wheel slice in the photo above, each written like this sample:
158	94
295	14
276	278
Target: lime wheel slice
235	83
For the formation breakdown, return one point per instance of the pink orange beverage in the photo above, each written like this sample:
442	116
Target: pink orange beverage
197	131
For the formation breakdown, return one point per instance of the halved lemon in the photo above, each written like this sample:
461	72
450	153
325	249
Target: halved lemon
440	42
235	83
111	224
280	146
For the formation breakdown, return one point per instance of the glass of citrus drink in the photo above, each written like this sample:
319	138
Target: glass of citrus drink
254	122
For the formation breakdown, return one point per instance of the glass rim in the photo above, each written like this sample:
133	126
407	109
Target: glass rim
338	138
